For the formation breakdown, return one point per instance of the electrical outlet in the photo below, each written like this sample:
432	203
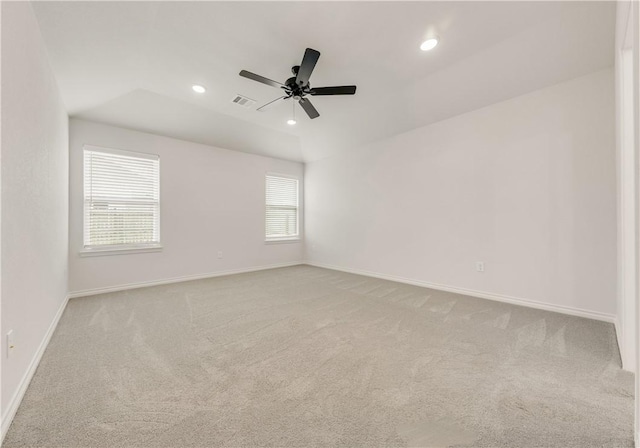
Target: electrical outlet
11	343
219	254
480	266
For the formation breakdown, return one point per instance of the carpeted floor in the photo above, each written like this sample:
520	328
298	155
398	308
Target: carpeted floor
304	356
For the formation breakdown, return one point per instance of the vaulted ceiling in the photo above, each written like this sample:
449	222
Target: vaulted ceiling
132	64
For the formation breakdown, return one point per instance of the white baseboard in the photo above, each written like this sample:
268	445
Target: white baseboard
18	395
480	294
627	364
186	278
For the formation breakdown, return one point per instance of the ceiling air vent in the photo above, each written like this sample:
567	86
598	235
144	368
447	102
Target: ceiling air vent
243	101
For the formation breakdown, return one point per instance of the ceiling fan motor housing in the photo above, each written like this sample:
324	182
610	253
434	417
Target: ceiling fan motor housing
291	86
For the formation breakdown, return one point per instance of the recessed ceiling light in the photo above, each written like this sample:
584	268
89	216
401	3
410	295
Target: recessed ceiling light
429	44
291	122
199	89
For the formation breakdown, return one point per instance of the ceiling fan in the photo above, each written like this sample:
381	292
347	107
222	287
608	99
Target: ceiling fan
297	87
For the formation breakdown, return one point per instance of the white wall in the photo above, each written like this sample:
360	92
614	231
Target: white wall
211	200
527	186
34	198
627	166
627	69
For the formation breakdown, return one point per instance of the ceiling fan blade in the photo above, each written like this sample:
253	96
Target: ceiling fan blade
261	79
308	108
337	90
306	67
271	103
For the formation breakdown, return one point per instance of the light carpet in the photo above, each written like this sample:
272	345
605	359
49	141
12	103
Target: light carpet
304	356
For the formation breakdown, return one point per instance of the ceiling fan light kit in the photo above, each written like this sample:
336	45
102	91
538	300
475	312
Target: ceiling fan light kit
297	87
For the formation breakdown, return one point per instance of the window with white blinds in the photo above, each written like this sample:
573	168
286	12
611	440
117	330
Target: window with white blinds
281	207
121	199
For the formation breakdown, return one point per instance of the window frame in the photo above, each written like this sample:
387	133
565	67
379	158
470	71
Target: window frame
282	239
113	249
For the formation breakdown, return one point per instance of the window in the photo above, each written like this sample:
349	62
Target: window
281	208
121	199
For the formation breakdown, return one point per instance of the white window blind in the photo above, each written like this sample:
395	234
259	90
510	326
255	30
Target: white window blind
121	199
281	207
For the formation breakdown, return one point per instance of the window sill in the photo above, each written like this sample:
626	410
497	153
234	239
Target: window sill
283	240
122	251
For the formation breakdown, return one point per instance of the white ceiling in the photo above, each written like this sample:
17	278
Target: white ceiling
132	64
